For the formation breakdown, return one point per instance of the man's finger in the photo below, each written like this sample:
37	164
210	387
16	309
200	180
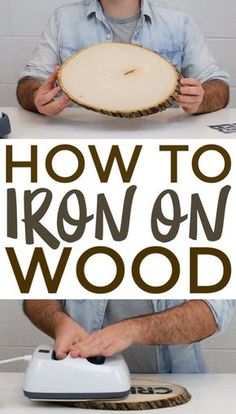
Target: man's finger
191	90
61	354
49	82
189	108
92	339
61	350
60	103
189	81
188	99
95	346
88	353
75	353
45	98
84	352
54	107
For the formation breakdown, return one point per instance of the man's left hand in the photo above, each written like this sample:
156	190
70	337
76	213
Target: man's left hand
191	95
107	341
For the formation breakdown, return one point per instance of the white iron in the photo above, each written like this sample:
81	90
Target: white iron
47	378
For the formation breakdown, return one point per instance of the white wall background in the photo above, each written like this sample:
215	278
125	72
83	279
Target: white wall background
21	22
19	337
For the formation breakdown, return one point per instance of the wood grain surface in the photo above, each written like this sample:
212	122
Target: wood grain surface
146	394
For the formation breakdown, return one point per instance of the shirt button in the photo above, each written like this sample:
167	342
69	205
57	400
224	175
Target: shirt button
108	36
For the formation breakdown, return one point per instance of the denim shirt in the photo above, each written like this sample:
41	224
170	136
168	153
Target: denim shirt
186	358
171	33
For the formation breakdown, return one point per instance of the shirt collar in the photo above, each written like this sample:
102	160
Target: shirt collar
146	9
94	7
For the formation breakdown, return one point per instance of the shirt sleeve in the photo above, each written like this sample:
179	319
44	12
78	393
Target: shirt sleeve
198	61
45	57
223	311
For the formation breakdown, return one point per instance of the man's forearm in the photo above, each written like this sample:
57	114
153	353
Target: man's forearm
25	93
216	96
190	322
47	315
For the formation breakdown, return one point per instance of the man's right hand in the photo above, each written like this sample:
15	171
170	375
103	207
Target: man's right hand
67	334
49	316
45	99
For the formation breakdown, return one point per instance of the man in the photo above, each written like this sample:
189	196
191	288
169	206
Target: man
204	87
154	335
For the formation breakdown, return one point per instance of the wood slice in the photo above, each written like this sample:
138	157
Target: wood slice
120	79
146	394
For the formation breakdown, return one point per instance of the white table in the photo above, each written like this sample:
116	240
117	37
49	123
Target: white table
79	123
211	394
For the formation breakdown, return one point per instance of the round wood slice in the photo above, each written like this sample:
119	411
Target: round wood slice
120	79
146	393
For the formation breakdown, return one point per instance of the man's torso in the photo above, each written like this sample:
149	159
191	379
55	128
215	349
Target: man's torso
140	358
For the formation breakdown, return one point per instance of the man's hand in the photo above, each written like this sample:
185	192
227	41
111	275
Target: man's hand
191	95
48	316
107	341
45	99
67	334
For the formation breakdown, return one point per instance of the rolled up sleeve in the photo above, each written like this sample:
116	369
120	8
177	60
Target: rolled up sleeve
198	62
223	311
45	57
